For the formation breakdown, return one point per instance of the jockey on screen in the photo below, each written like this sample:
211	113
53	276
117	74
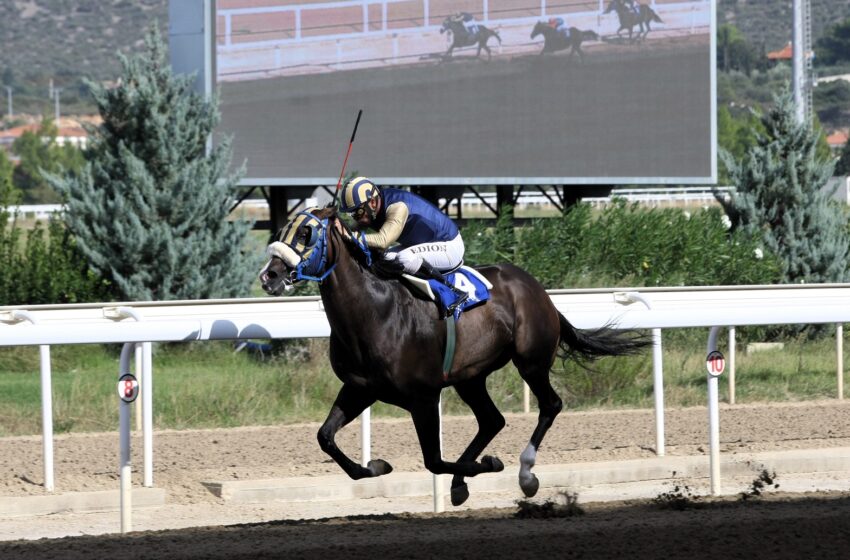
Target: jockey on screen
468	21
559	25
632	5
428	240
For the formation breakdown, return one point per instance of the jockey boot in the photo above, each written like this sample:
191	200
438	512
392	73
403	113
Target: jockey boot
427	271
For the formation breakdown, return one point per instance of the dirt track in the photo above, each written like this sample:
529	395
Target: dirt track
782	526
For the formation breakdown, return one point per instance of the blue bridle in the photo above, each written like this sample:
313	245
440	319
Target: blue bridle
314	255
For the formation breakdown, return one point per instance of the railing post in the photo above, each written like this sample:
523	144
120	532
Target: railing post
366	436
439	498
46	397
731	358
145	376
626	298
839	347
713	419
125	470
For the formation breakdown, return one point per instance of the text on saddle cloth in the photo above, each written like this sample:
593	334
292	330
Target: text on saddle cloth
466	280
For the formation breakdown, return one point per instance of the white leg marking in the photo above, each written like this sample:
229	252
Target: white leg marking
526	461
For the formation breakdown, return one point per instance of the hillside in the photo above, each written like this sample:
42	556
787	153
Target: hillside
768	22
67	40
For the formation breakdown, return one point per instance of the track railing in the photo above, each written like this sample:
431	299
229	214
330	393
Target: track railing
304	317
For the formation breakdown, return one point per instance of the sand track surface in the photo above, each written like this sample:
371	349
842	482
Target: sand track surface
780	524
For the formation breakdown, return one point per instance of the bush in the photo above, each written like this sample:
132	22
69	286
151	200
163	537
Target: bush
627	245
43	266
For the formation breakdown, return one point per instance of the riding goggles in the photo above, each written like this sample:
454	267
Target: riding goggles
360	211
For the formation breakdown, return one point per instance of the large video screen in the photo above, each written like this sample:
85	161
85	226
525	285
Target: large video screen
470	91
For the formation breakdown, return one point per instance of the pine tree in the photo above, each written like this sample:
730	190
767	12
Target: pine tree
781	198
149	207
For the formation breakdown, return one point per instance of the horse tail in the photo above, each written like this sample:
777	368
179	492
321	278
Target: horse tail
496	35
589	35
587	345
654	16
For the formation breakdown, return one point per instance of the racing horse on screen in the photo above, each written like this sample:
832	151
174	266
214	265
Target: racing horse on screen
629	18
461	37
554	40
389	344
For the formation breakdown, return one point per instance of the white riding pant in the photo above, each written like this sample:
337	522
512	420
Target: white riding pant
442	255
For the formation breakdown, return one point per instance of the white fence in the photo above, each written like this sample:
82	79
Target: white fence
644	308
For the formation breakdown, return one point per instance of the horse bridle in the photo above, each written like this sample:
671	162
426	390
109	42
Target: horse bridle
314	259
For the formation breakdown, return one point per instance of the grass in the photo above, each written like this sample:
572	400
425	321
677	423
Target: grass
205	385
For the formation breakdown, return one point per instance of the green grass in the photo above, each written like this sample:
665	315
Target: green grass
205	385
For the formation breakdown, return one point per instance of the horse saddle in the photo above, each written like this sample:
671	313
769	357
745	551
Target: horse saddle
464	278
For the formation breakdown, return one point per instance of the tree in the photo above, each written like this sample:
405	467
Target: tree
736	135
834	46
40	265
39	153
781	198
843	165
8	193
733	50
150	207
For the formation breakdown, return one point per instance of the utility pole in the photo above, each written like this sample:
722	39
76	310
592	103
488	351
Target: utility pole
56	92
801	61
9	100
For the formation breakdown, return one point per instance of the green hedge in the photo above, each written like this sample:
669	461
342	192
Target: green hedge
625	245
42	265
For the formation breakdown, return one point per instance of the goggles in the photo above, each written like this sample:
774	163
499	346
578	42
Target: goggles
360	211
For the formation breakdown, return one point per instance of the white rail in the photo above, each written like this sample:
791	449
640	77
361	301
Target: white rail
302	317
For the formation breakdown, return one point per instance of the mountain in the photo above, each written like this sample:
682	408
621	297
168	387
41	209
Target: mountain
66	40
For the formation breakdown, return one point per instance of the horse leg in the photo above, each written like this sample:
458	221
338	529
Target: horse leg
537	377
490	422
350	402
426	420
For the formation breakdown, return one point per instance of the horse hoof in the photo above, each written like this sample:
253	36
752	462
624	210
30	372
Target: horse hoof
493	464
529	486
459	494
379	467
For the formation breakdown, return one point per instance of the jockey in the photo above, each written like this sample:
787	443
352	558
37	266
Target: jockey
428	240
559	25
632	5
468	21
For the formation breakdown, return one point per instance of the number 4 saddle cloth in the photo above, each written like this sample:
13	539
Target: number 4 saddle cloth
464	278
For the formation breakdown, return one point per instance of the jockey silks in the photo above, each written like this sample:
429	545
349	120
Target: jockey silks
424	223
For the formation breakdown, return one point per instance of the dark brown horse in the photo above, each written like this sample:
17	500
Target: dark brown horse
387	344
554	40
629	18
463	38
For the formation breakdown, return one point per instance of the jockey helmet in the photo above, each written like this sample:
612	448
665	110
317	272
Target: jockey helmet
356	193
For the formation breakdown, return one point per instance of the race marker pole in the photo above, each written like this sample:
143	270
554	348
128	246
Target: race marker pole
715	364
348	153
128	390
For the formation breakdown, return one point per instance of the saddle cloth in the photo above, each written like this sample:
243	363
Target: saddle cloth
465	278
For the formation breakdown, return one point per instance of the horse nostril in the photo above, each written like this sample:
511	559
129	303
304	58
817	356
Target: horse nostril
271	275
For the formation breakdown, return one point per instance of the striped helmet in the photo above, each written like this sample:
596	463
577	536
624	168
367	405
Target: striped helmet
356	192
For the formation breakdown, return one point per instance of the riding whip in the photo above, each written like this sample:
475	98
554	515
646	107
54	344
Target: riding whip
348	153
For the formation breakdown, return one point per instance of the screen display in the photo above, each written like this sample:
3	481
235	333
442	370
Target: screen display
469	92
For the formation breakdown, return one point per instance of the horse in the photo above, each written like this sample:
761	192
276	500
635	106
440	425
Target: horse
628	18
387	344
463	38
554	41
